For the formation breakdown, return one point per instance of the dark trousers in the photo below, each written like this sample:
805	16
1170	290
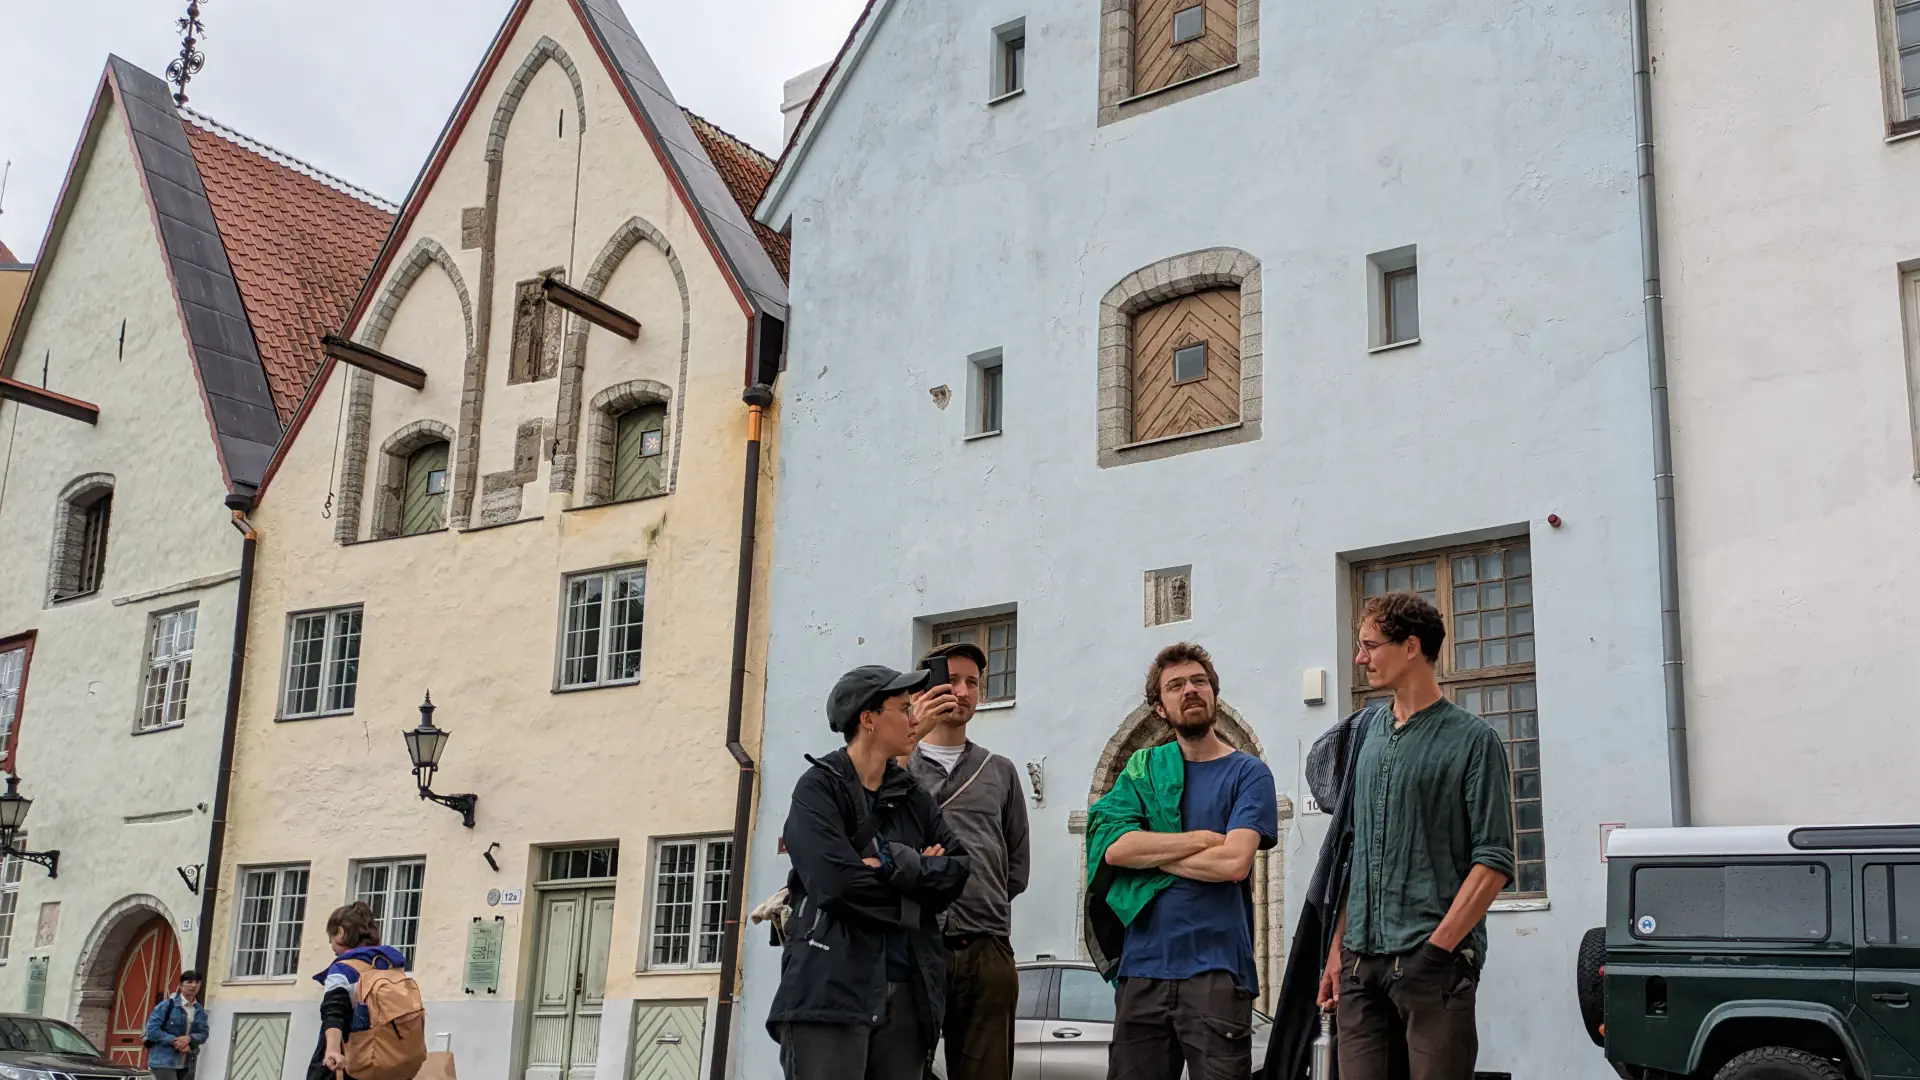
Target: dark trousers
898	1049
1204	1023
1408	1017
983	987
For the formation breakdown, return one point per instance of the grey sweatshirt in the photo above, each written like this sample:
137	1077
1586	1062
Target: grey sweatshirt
990	818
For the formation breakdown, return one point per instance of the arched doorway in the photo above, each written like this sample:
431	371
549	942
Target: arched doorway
1144	728
148	969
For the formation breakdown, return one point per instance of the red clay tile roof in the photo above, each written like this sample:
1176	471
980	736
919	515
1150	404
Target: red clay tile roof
6	256
300	241
747	172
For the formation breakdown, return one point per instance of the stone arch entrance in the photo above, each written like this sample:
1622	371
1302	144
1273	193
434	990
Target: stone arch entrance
1143	728
130	960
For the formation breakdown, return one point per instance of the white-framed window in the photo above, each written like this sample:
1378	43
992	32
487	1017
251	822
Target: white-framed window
392	888
689	901
995	635
986	393
1393	298
1009	60
14	654
1910	311
323	662
604	614
266	936
9	899
1900	23
170	638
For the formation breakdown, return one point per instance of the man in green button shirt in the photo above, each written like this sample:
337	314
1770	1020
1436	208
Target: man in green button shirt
1432	847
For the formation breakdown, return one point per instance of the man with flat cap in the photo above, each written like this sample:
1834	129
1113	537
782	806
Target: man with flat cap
863	980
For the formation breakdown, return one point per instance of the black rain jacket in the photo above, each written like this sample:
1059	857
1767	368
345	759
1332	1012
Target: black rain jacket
833	968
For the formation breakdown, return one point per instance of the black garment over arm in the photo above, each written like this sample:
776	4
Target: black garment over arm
822	855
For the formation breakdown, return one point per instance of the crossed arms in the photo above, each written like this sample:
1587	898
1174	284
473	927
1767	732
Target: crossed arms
1200	855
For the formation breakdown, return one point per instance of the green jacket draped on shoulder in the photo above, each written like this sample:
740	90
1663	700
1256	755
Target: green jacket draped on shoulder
1146	796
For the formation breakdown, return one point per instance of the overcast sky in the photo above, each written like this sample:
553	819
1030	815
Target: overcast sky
361	89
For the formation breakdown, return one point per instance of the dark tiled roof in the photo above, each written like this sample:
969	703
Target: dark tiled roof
232	377
300	243
746	172
746	261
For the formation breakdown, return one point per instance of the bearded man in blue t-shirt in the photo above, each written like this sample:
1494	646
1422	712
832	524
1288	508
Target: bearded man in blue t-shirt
1187	974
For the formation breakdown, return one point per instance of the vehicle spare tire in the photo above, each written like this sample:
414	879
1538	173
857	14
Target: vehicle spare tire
1590	983
1780	1063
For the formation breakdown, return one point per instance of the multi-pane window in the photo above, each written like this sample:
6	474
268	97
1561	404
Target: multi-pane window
1905	64
605	611
392	890
273	904
997	637
581	863
13	681
169	668
9	899
93	544
1485	594
689	901
323	663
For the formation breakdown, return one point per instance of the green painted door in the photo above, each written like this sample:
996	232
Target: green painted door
1887	963
667	1040
259	1047
640	453
570	984
423	503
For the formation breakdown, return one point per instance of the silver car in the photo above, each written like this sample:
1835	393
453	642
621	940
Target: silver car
1064	1024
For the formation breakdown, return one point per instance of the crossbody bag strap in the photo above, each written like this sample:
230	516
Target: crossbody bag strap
944	803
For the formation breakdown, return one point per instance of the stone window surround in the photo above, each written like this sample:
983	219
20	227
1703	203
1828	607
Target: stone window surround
388	496
353	467
603	426
573	362
69	526
1149	286
1117	99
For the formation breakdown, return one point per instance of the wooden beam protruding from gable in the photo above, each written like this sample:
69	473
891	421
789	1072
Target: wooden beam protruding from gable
354	354
47	401
592	309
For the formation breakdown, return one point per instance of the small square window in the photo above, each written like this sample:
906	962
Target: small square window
650	444
437	482
1189	24
1190	363
995	635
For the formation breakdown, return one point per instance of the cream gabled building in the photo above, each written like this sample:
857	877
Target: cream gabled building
166	338
538	519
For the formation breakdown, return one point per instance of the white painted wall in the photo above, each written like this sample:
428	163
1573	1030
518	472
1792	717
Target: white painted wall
1786	217
89	775
928	226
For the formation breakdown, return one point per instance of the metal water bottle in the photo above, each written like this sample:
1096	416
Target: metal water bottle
1323	1048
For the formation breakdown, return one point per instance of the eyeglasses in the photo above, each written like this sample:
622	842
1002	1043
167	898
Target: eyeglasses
1365	647
1198	682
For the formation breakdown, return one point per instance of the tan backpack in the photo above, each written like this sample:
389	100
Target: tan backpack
394	1044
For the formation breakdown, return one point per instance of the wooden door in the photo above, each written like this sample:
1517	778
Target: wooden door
666	1040
148	970
423	503
570	984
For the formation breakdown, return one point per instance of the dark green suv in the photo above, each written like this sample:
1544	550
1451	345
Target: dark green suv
1758	953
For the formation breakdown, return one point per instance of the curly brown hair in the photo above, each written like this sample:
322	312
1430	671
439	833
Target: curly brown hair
357	921
1401	615
1185	652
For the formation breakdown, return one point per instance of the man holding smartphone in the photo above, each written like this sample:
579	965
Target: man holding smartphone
980	797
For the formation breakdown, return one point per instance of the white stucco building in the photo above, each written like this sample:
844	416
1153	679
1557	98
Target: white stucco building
164	339
1116	325
1788	160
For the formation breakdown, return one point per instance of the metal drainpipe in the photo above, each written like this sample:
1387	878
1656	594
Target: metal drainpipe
1679	782
759	397
223	782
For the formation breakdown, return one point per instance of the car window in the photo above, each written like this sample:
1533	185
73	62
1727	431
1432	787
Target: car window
1033	984
16	1036
65	1040
1891	893
1737	902
1085	996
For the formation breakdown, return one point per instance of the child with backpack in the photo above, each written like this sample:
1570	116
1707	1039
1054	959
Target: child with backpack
372	1023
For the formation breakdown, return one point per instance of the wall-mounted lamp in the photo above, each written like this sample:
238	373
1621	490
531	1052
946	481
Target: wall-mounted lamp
425	744
13	816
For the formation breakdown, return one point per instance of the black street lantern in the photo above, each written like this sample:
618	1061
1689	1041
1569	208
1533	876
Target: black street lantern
425	744
13	817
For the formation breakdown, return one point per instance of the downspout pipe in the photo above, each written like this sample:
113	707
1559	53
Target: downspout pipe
759	398
223	782
1672	661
